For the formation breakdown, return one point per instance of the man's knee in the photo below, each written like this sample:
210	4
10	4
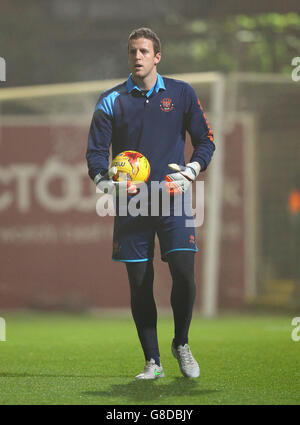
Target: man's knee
181	264
140	274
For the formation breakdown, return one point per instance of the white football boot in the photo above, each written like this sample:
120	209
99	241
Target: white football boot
188	365
151	371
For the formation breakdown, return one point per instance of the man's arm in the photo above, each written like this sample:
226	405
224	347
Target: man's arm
202	140
97	155
199	130
99	141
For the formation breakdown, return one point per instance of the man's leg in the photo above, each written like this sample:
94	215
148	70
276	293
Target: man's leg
143	307
181	265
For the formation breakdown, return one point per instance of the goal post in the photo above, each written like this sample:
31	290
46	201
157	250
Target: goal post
213	222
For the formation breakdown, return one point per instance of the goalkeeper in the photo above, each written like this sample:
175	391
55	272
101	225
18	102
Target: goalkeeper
150	114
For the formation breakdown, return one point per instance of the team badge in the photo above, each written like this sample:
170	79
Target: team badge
166	104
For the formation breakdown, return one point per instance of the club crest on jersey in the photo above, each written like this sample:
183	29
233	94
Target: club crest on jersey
166	104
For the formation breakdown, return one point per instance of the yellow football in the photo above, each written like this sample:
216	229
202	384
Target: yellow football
131	165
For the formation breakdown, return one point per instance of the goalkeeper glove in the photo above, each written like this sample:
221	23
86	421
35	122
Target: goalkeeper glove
106	185
180	181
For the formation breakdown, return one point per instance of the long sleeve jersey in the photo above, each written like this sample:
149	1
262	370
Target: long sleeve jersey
153	123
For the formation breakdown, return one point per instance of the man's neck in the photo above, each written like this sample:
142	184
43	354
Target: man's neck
146	83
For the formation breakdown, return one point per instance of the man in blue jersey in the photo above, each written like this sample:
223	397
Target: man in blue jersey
150	114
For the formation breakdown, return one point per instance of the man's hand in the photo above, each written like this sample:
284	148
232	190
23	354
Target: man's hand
180	181
106	185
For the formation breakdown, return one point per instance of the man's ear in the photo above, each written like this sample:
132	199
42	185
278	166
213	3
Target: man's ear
157	58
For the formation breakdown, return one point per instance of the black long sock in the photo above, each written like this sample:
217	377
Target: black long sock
181	264
143	307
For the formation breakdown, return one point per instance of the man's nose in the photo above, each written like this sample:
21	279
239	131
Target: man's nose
138	54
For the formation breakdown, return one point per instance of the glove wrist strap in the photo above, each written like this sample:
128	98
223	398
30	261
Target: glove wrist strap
195	167
98	178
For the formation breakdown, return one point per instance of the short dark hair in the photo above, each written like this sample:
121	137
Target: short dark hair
146	33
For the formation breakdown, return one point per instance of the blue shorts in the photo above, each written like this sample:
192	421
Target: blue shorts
133	239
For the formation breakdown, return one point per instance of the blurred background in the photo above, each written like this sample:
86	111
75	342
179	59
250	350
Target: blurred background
58	56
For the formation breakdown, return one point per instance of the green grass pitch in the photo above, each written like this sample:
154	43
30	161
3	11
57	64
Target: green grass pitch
66	359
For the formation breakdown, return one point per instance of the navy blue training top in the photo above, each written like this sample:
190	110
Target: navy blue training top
153	123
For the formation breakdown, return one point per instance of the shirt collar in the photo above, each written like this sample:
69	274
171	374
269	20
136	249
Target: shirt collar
159	85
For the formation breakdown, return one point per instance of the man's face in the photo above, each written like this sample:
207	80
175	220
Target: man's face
141	57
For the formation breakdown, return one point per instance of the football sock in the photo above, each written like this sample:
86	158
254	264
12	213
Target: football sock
143	307
181	264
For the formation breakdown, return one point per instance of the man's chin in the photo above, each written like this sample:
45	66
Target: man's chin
138	73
